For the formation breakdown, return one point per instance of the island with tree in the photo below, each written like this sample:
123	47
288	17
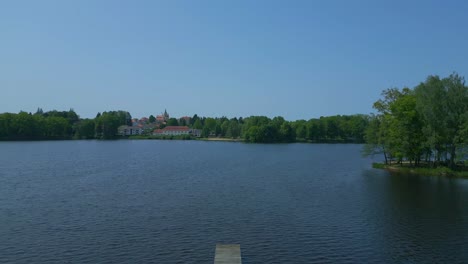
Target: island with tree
423	129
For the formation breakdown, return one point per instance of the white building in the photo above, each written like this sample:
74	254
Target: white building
130	130
177	131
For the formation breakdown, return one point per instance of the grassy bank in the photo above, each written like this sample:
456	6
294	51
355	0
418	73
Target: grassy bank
438	171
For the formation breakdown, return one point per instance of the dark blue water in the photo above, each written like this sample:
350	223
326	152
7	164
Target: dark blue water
172	201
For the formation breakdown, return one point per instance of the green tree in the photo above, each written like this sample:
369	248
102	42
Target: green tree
234	128
23	126
431	100
457	109
5	125
218	130
198	124
205	132
39	111
56	127
301	129
210	124
85	129
286	133
405	128
225	129
427	122
375	140
108	122
253	134
172	122
194	119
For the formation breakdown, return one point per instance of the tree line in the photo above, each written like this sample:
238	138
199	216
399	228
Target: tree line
262	129
256	129
60	125
426	125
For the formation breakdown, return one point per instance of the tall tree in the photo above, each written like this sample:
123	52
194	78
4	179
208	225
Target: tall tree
152	119
457	109
198	124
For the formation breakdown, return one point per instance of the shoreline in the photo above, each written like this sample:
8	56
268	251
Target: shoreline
423	171
221	139
218	139
188	138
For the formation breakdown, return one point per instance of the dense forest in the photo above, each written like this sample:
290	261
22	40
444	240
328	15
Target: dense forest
423	126
261	129
60	125
255	129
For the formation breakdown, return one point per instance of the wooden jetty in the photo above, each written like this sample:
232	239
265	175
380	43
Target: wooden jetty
228	254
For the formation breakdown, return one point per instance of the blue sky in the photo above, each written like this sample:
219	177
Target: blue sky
297	59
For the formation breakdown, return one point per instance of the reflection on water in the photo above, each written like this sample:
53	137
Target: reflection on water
429	215
172	201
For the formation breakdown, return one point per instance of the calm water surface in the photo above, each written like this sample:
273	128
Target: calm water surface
172	201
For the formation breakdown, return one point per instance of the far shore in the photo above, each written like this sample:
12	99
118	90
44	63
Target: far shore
221	139
183	137
186	137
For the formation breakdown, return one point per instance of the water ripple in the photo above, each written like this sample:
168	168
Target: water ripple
171	202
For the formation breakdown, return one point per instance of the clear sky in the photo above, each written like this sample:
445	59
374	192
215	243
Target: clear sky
297	59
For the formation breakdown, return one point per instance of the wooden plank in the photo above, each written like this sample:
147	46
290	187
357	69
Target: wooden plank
228	254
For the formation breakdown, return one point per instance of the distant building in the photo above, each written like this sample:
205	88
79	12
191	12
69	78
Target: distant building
172	131
196	132
185	120
147	127
177	131
130	130
160	119
144	120
163	117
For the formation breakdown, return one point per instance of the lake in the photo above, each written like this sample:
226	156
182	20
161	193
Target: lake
171	201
